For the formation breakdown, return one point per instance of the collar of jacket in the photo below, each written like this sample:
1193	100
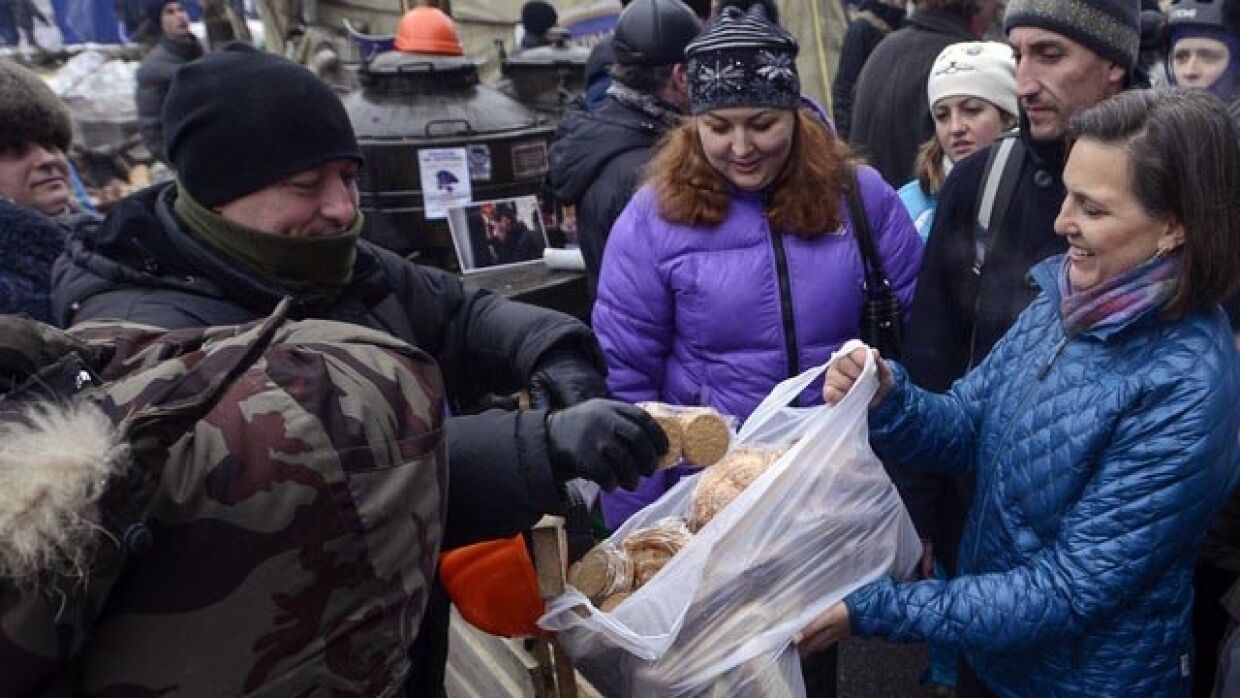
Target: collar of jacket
652	114
893	16
237	284
188	48
942	22
1047	155
1046	275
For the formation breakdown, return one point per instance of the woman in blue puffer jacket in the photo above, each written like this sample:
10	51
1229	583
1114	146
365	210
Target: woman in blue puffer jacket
1102	429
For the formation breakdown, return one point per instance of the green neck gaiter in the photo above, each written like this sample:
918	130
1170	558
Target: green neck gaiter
317	266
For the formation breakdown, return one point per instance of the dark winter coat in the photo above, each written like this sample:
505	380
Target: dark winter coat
955	320
29	245
890	116
274	534
1100	462
860	41
154	78
140	265
1222	547
596	163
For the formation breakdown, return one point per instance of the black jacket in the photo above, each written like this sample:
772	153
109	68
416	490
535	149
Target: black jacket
890	117
140	265
154	78
860	41
596	162
955	320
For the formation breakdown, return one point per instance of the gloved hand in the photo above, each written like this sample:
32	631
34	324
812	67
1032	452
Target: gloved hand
28	346
564	378
606	441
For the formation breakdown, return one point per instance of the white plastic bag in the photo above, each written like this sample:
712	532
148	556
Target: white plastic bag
719	618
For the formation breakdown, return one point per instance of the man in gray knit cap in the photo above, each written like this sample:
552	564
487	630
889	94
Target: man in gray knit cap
997	211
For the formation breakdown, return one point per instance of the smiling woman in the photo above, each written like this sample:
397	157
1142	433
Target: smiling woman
1101	429
736	266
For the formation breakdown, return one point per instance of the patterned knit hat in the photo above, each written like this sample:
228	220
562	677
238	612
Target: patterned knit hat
742	60
1109	28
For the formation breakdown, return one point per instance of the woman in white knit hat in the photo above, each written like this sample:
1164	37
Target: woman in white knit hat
972	94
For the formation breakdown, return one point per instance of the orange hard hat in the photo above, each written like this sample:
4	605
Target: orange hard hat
494	586
428	30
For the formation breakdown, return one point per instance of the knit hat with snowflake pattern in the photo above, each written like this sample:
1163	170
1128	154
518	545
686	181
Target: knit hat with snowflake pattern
742	60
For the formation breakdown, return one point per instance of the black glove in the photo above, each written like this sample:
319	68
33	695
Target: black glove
563	379
28	346
605	441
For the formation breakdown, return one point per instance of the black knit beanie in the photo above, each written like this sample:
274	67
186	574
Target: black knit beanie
154	15
29	111
241	120
1109	28
538	16
742	60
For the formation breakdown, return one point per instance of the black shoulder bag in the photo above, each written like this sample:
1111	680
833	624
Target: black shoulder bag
882	318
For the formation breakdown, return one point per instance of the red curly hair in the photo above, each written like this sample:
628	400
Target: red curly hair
806	193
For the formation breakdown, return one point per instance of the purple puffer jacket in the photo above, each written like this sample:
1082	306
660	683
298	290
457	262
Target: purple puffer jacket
696	316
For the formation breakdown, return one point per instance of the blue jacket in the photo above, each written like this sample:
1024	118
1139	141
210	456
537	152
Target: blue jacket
1100	462
920	206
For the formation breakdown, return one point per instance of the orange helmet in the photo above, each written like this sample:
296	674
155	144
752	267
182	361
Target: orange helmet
428	30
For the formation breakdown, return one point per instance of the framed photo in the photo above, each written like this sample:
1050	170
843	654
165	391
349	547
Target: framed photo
498	233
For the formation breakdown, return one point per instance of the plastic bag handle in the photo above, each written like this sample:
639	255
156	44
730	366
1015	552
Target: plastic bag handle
787	391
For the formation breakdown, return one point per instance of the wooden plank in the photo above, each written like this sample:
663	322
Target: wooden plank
550	555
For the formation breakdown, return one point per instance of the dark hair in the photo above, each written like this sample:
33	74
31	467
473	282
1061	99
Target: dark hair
701	8
642	78
964	8
1184	154
506	209
805	195
769	6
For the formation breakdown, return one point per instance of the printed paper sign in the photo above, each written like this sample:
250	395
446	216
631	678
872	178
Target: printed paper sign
445	180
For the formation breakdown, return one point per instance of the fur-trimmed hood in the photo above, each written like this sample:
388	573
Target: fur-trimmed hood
56	459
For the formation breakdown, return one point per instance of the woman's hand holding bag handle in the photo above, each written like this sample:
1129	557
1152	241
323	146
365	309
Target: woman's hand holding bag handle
847	370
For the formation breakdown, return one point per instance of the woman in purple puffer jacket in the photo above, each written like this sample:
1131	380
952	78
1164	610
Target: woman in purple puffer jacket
735	266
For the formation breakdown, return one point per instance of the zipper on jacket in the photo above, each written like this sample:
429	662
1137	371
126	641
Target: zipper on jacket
785	295
1046	368
1055	352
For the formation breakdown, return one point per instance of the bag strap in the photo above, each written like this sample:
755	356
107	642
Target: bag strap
875	277
998	184
875	21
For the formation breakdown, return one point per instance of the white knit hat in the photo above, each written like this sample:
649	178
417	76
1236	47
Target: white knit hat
984	69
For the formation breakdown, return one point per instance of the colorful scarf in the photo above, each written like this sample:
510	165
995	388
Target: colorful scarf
1117	301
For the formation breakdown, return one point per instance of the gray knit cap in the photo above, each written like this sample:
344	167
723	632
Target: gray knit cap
1109	28
742	60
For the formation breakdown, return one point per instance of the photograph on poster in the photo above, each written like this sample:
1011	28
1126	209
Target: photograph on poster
490	234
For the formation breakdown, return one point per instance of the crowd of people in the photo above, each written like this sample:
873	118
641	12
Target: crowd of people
222	369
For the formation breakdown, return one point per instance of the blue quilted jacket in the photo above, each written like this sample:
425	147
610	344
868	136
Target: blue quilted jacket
1100	462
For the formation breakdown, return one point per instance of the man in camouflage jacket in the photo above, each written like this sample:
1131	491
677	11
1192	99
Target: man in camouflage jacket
232	510
266	207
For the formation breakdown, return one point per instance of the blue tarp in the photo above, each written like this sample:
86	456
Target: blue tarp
95	21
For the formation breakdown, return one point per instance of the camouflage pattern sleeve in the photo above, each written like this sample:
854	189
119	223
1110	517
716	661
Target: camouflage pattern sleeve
280	542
